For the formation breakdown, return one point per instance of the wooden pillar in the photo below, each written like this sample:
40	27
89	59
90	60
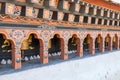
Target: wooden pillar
92	46
64	49
16	57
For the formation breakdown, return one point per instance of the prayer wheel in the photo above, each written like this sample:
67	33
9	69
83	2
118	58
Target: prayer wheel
25	45
106	39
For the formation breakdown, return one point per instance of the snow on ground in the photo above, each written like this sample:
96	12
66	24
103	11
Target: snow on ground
101	67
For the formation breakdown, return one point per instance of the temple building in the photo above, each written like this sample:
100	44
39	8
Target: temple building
46	29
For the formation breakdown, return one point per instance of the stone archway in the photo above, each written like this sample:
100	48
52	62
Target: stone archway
32	49
88	45
98	43
6	51
108	43
56	47
115	42
74	45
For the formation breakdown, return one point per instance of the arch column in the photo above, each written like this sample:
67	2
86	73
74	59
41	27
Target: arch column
64	49
110	44
102	45
80	48
44	52
16	57
92	46
117	44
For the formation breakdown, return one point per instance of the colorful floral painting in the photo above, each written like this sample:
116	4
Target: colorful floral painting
52	3
35	12
60	16
65	5
9	8
17	10
29	11
71	17
77	7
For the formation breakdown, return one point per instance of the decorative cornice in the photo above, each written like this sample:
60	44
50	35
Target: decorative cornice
31	21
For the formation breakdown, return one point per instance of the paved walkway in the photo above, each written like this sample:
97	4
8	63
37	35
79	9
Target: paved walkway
100	67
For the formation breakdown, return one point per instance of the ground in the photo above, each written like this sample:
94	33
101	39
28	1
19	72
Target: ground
105	66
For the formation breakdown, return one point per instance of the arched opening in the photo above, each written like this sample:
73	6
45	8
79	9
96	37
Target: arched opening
115	42
73	46
98	43
5	50
55	47
107	43
87	44
31	49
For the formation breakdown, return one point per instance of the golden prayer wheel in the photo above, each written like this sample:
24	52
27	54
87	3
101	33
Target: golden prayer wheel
88	41
30	39
73	41
6	43
98	40
25	45
114	39
106	39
